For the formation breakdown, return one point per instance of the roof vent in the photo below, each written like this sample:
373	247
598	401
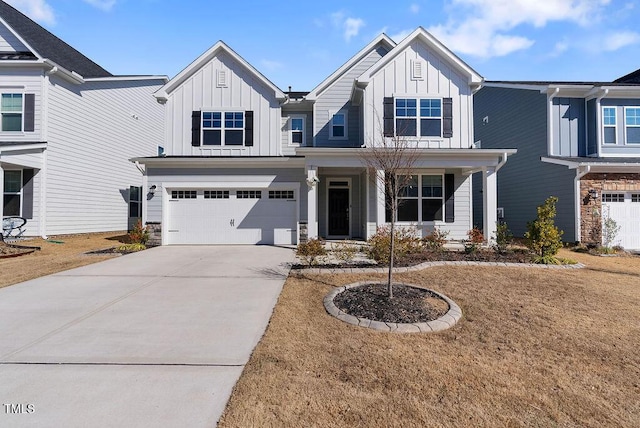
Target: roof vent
416	70
221	78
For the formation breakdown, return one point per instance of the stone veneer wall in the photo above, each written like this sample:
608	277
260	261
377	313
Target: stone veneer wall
155	233
591	210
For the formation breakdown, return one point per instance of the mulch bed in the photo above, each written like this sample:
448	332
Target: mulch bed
512	256
9	250
108	251
409	304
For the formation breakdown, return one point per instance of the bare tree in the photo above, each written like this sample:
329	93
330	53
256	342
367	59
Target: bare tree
395	157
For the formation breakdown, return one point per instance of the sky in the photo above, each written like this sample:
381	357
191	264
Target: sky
300	43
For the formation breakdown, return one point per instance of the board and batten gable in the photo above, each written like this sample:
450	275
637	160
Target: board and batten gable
9	42
568	127
26	81
440	79
336	98
93	130
242	91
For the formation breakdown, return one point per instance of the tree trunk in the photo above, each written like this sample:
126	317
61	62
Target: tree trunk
391	252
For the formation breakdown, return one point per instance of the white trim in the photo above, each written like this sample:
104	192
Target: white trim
349	188
419	198
303	117
19	37
21	131
222	128
345	113
165	79
615	126
418	116
19	192
626	127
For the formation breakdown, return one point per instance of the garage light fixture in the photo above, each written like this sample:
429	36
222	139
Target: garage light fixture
593	194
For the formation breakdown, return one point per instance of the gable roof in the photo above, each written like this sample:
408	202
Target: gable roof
633	77
47	46
474	78
381	39
215	50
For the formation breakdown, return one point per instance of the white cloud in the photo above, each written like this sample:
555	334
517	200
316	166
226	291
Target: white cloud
559	48
414	8
271	65
397	37
38	10
348	25
105	5
618	40
485	29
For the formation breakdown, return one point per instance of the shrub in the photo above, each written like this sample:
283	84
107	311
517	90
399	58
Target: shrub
131	248
406	243
311	251
503	238
542	236
435	240
475	238
344	251
139	234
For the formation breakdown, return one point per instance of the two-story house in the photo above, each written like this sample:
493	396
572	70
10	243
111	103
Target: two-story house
68	128
579	141
247	163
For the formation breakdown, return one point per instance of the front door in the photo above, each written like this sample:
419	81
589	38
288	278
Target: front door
338	212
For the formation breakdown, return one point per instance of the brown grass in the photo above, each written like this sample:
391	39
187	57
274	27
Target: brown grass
535	348
54	258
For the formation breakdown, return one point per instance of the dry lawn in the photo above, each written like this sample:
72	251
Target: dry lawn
54	258
535	348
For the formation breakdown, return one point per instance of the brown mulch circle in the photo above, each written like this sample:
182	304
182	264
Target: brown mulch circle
409	304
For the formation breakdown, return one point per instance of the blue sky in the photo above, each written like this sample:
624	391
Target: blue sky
299	43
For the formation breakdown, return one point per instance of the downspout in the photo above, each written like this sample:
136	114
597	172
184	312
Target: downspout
599	120
580	172
550	121
45	137
503	160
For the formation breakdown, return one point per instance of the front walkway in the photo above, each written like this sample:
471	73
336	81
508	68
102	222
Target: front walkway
156	338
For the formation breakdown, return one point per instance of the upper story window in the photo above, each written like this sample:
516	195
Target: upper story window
418	117
297	131
609	124
339	126
632	124
11	110
222	128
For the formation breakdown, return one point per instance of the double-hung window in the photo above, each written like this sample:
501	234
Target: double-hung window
421	199
339	126
222	128
11	109
12	193
609	125
418	117
632	124
297	131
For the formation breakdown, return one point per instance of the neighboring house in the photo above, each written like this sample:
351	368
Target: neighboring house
246	163
68	128
578	141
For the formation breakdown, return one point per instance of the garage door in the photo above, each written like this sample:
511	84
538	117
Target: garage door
232	216
624	208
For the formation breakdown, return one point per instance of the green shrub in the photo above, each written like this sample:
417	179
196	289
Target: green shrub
139	234
503	238
435	240
406	243
542	236
475	238
344	251
311	251
610	230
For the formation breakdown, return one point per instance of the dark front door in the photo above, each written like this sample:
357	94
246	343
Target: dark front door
338	212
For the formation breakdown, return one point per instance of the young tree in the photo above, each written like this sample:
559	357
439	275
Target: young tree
390	161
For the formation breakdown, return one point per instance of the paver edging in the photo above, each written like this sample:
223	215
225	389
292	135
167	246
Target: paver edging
426	265
448	320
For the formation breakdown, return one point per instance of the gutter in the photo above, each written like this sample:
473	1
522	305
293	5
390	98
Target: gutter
69	76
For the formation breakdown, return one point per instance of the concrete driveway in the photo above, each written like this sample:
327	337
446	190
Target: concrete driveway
156	338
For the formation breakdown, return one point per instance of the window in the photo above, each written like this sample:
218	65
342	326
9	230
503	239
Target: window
280	194
339	126
296	130
222	128
635	197
12	193
11	110
216	194
609	125
407	114
613	197
184	194
135	201
249	194
422	199
632	124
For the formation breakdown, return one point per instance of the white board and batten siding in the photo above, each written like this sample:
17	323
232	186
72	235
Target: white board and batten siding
439	80
9	42
93	130
242	92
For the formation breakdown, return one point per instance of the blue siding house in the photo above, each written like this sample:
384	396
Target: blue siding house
579	141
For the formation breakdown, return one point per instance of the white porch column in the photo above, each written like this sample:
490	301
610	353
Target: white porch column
489	203
312	202
380	199
2	187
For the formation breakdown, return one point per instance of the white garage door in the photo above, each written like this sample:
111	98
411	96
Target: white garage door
624	208
232	216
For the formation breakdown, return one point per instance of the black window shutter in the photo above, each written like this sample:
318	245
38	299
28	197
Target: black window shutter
447	117
388	116
248	128
27	193
29	112
449	205
195	128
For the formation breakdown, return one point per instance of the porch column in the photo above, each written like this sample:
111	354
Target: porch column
312	202
489	203
380	198
2	188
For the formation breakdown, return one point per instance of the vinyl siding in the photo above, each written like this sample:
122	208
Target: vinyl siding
243	92
337	98
592	127
93	131
9	42
440	81
25	81
517	118
287	149
569	131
